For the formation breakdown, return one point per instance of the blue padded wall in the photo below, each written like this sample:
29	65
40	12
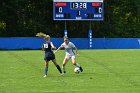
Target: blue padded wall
81	43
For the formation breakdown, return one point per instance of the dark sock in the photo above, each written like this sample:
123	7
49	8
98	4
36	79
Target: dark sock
58	67
81	69
63	67
46	70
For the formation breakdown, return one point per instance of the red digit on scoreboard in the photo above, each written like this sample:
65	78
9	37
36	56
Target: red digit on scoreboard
60	4
96	4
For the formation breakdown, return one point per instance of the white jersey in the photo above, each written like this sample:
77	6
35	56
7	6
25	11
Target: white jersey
68	48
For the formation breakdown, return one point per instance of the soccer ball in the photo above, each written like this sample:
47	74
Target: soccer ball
77	70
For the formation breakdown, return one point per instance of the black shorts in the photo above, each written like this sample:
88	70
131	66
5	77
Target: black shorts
49	56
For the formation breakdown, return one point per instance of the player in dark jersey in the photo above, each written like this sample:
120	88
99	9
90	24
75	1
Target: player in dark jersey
49	55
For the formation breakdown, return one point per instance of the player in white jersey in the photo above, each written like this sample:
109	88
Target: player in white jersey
69	47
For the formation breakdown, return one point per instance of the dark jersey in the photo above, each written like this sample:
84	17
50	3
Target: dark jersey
49	55
47	46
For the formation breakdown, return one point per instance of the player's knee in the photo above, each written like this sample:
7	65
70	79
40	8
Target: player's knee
46	63
73	63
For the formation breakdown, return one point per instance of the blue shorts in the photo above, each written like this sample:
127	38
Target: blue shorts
49	56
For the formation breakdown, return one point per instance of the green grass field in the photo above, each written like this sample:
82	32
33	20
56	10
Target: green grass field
105	71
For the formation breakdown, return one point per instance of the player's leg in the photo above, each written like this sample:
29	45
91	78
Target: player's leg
76	64
57	66
46	68
47	59
66	59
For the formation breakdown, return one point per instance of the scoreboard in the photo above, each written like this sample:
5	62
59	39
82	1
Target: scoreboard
78	10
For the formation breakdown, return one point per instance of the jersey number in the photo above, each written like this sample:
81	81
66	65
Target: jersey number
45	45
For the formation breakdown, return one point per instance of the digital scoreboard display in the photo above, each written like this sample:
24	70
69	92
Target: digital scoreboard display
78	10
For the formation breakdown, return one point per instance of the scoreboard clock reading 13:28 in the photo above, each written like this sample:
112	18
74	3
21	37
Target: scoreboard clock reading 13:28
78	10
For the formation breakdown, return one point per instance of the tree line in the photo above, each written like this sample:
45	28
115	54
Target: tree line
24	18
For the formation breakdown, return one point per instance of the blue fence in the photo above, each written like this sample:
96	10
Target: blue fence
116	43
81	43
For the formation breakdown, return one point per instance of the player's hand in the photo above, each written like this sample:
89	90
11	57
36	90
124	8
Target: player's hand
55	52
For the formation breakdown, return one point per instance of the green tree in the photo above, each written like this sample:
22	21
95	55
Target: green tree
24	18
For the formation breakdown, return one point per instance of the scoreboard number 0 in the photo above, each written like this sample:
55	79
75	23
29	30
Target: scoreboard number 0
100	10
60	10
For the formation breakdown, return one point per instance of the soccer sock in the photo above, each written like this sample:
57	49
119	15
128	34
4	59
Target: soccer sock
63	67
59	69
46	70
77	65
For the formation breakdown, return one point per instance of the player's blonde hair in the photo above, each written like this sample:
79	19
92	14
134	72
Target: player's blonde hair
65	38
47	37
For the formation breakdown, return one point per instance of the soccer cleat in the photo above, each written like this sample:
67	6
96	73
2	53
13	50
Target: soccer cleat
81	69
45	76
61	74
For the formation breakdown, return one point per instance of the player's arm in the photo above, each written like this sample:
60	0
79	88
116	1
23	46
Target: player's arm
58	49
76	50
52	45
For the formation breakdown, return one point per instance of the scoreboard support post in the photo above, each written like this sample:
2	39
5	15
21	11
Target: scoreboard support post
65	30
90	39
90	36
